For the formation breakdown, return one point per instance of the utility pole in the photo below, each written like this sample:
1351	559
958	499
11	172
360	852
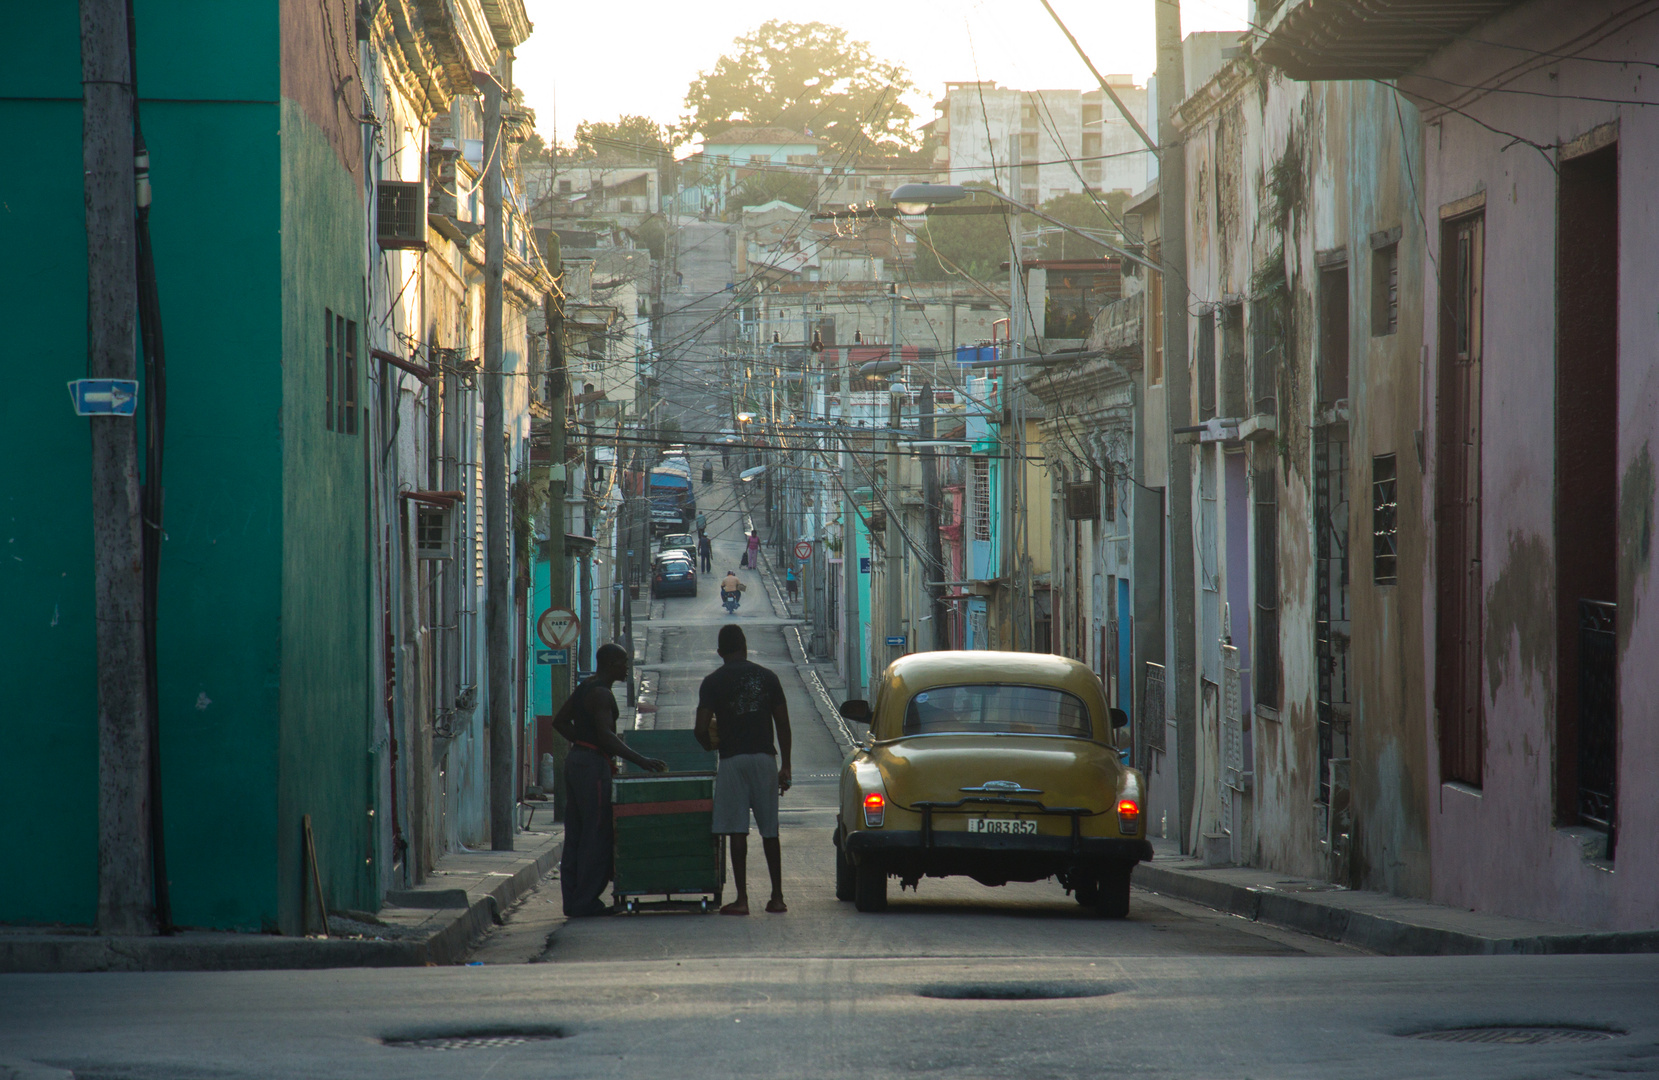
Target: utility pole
557	593
125	878
892	535
1172	239
930	526
1013	557
850	641
498	608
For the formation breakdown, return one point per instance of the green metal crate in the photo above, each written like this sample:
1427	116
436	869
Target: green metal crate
665	842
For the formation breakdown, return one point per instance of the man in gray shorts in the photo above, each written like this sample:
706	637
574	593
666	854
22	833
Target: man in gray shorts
738	707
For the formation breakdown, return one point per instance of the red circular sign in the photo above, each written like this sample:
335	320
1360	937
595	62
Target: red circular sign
559	628
803	549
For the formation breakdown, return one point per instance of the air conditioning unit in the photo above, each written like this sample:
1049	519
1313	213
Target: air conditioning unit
1083	501
400	214
434	536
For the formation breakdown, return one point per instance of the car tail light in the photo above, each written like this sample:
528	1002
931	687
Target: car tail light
1129	817
875	809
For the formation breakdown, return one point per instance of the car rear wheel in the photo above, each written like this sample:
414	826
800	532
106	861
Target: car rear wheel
869	888
846	881
1111	898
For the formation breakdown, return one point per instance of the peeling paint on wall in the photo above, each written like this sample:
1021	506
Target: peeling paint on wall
1520	604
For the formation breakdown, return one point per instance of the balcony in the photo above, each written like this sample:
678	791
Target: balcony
1366	39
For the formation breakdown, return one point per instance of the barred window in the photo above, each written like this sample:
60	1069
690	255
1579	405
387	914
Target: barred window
982	498
1385	519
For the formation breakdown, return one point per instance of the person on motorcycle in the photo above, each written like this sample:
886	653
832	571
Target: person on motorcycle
731	587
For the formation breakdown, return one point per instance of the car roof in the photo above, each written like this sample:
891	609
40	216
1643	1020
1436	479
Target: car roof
920	671
677	555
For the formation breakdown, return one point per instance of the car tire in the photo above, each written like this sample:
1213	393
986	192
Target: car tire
694	590
846	879
1112	901
1087	892
870	888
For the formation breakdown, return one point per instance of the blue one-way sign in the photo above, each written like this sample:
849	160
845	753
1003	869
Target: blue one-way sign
552	656
104	397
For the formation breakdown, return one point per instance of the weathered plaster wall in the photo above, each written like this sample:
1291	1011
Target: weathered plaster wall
1278	173
1498	848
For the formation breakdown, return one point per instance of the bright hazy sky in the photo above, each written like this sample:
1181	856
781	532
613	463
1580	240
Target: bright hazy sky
595	61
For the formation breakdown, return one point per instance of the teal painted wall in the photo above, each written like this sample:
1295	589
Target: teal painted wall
49	727
325	708
258	224
213	143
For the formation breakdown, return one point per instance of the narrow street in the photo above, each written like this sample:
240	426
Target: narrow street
1217	438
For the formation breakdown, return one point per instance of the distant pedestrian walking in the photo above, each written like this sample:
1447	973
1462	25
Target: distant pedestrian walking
751	556
705	551
790	583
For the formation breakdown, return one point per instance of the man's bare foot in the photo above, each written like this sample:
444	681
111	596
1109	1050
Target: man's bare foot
776	905
736	907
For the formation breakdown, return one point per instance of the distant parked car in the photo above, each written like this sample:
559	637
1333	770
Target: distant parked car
686	542
672	573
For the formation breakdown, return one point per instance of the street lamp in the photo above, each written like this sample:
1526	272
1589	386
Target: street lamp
914	199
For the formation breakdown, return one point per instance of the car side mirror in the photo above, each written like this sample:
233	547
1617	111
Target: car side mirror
1120	719
856	710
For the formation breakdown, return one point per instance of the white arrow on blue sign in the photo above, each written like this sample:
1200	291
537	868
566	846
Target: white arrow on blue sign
552	656
104	397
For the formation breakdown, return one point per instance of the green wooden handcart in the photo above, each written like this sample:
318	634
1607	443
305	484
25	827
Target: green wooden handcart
664	836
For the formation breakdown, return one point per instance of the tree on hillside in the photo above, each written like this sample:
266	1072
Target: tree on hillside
798	189
1075	208
630	139
808	77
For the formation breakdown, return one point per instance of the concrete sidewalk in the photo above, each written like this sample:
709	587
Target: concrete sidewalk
1381	922
436	923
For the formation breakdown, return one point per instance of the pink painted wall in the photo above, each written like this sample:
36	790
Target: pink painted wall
1498	848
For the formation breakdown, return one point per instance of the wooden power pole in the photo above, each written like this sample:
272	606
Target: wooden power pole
1172	240
498	606
125	880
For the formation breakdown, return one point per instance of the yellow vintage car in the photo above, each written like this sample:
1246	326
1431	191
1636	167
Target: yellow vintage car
999	766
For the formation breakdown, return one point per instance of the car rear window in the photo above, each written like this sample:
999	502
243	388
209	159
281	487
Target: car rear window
989	708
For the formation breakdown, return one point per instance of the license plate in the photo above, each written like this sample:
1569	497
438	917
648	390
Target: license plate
1001	825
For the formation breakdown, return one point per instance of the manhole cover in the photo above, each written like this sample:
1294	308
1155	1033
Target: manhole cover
1519	1036
473	1042
1039	991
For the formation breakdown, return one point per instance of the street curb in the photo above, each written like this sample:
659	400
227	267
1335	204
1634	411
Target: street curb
211	951
1373	932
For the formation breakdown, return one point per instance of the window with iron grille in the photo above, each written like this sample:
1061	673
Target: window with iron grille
400	214
1384	521
1385	289
1109	499
432	532
1203	358
344	390
328	368
1265	669
1268	347
1234	402
982	498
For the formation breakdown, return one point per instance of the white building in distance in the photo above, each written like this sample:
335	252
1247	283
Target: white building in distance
1059	140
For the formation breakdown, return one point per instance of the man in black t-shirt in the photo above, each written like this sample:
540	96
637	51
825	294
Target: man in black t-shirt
588	722
746	701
